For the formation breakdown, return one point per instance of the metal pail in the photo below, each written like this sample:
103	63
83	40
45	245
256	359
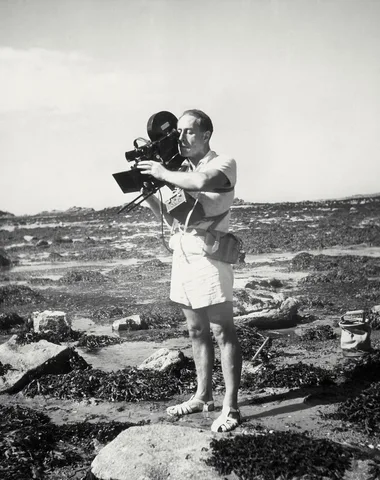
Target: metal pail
355	337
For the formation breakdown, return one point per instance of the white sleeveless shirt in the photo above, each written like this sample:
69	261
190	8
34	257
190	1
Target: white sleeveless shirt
217	202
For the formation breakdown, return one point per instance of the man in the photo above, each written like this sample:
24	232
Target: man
201	285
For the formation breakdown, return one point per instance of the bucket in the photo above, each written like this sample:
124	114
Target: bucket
355	337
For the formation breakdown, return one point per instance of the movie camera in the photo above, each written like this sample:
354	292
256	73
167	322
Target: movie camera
162	147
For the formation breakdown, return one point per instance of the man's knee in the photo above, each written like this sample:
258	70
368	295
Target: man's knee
197	331
197	324
224	333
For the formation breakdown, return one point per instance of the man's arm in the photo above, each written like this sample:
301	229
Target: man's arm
206	181
158	208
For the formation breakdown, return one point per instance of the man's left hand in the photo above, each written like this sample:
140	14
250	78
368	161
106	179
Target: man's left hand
149	167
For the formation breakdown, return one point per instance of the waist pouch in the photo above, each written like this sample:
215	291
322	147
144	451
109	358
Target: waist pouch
225	247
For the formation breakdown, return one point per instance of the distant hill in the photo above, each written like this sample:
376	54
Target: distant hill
6	214
359	196
237	202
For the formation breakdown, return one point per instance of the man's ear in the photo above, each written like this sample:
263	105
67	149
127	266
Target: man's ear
207	136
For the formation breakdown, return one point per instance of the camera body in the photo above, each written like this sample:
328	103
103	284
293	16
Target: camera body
162	147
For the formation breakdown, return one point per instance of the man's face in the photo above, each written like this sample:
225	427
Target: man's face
192	142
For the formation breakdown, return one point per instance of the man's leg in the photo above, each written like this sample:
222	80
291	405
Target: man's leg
221	320
203	350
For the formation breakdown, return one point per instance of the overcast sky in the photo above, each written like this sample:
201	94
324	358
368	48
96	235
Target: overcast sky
292	87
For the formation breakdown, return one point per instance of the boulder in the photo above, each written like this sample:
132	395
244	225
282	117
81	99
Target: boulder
52	321
156	452
133	322
42	243
285	316
163	360
31	361
247	300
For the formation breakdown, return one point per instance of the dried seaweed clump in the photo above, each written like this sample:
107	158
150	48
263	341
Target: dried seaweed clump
319	333
292	376
31	446
52	337
108	312
24	442
11	320
362	369
362	410
94	342
281	456
4	368
161	315
128	385
87	276
18	295
250	341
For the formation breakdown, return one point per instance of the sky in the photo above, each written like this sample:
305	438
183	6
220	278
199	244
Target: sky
292	87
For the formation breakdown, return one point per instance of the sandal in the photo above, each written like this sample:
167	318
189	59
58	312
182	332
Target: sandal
226	422
192	405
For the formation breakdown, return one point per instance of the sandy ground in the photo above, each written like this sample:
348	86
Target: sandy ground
92	248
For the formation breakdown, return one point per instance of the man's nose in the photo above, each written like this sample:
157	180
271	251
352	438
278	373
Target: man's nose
180	136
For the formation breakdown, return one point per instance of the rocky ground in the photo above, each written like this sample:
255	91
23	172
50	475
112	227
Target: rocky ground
309	412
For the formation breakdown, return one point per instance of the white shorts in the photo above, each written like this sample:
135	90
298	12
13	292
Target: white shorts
198	281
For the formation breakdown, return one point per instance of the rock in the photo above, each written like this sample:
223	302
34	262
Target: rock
63	240
53	321
42	243
283	317
163	360
133	322
31	361
156	452
241	258
29	238
4	259
247	300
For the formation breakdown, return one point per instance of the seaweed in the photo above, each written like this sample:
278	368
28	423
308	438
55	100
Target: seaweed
319	334
362	369
52	337
279	455
11	320
19	295
250	341
31	445
292	376
362	410
95	342
127	385
4	368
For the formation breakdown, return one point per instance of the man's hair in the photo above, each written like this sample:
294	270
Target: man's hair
204	121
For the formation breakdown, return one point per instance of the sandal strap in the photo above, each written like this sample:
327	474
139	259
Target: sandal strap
226	423
190	406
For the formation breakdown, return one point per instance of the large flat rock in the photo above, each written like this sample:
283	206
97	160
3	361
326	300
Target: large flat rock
31	361
156	452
